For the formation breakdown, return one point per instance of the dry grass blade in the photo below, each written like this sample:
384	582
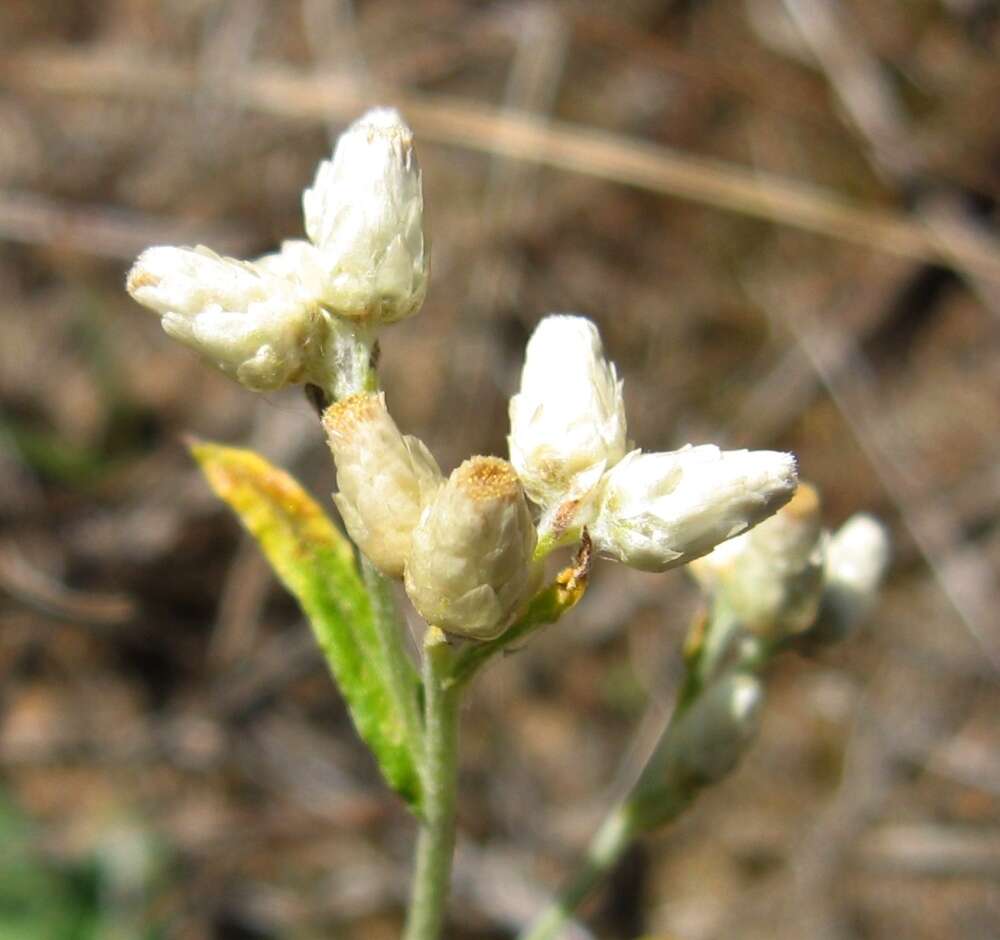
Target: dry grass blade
561	145
38	590
100	230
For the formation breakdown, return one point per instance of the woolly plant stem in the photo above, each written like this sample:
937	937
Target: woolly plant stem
436	839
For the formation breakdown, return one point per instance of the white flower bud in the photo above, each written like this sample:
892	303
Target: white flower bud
364	213
385	478
856	562
657	511
470	567
252	324
710	739
771	578
567	422
309	312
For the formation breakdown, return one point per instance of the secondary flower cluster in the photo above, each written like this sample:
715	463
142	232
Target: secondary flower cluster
309	312
790	577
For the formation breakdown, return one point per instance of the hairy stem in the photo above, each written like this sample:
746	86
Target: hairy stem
436	841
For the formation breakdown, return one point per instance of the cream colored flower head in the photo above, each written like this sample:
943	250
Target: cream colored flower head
771	578
280	319
652	511
657	511
385	478
567	421
470	568
252	325
856	564
364	213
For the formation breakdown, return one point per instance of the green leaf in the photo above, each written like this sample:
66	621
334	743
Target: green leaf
317	565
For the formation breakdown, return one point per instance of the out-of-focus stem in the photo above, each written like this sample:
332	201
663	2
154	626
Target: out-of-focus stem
606	848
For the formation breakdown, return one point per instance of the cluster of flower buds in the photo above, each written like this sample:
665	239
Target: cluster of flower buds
464	545
467	548
652	511
297	315
789	577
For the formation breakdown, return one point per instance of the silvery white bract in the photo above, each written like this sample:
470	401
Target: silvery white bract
470	566
307	313
657	511
385	478
364	213
251	324
567	421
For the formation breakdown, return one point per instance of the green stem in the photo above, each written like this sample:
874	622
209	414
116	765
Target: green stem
719	637
436	840
607	847
658	796
344	363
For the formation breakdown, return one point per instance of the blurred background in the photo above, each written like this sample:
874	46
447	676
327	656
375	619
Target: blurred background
781	214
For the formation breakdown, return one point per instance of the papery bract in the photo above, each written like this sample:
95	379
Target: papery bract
567	421
470	567
385	478
656	511
253	325
364	213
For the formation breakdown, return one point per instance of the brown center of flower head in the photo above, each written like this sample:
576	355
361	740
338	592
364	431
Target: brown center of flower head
484	478
344	417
